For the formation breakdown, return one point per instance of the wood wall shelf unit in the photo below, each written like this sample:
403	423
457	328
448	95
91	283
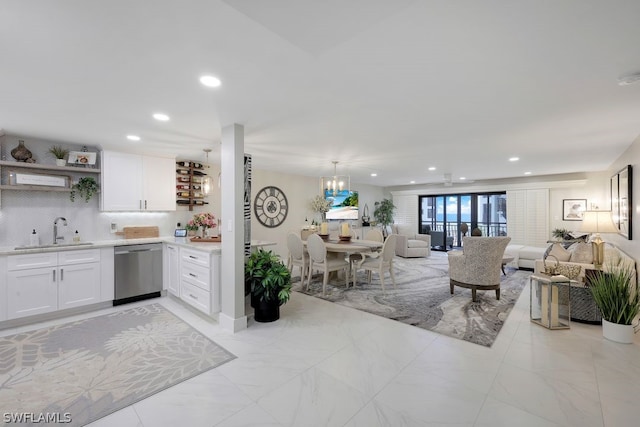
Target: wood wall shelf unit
189	182
72	172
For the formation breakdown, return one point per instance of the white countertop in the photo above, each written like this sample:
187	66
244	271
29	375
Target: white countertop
180	241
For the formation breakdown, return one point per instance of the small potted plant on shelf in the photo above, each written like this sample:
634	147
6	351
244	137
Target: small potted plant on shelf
616	295
269	282
59	153
85	187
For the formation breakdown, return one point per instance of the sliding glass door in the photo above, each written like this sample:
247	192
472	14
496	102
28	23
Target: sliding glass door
486	211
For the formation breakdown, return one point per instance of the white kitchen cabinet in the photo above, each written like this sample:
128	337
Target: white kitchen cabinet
132	182
78	285
172	269
61	280
31	292
200	280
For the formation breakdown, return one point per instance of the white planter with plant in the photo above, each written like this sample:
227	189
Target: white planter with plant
59	153
615	292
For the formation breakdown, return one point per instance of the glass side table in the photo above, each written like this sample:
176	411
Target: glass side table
550	298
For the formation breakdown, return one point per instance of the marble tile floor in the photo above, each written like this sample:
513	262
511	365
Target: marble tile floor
323	364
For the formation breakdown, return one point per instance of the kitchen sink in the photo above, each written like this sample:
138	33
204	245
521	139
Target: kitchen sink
59	245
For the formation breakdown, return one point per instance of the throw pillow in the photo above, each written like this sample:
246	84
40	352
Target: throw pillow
581	253
560	252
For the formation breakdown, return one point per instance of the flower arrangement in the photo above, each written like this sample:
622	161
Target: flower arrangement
320	204
204	220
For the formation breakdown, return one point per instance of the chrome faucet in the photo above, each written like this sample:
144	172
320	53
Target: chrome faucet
55	230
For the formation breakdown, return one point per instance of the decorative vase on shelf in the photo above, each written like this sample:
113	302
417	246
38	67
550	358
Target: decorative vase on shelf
21	153
61	162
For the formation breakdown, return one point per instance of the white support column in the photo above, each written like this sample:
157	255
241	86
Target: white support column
232	316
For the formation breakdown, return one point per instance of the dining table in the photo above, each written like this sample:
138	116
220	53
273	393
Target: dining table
350	247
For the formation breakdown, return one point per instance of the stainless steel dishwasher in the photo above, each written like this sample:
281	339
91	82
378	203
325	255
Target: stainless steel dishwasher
138	272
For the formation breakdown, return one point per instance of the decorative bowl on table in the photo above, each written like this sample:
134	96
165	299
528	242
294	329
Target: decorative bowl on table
324	237
345	238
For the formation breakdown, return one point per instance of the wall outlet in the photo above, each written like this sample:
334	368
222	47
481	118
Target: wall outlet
113	228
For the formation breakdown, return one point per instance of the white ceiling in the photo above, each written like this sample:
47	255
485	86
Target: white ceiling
390	87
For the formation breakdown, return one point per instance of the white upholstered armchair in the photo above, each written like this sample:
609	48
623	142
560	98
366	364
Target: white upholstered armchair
477	265
410	244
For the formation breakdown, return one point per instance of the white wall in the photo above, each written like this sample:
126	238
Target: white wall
300	190
629	157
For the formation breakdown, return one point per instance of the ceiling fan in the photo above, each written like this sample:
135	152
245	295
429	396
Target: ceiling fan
448	182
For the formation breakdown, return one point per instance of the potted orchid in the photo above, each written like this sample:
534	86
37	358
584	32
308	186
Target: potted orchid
205	221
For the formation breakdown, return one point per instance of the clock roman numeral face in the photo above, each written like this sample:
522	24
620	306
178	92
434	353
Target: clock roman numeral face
270	206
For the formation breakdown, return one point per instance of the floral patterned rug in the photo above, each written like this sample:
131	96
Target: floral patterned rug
77	372
422	298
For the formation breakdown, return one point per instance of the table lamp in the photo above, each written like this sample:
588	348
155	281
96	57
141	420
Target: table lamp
597	222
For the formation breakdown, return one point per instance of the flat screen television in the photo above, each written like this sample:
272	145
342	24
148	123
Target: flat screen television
344	204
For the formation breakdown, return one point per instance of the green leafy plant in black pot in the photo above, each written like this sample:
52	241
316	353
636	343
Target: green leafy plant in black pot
85	187
269	282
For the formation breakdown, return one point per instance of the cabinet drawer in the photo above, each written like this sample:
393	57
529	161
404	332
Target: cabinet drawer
78	257
196	275
194	257
28	261
195	297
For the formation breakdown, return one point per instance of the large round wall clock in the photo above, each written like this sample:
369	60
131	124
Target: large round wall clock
270	206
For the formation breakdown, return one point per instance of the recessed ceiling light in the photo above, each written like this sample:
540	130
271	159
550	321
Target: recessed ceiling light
161	117
514	159
432	168
133	137
527	173
210	81
462	178
374	174
412	182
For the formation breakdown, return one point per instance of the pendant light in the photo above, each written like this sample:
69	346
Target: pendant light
337	183
207	182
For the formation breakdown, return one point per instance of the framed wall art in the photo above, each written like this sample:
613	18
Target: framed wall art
621	203
573	209
82	158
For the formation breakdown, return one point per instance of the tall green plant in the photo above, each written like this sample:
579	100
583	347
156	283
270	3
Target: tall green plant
615	295
266	277
383	213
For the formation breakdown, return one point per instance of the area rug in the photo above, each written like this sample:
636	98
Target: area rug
423	299
75	373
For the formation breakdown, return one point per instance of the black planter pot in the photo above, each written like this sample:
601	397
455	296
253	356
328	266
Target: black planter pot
266	311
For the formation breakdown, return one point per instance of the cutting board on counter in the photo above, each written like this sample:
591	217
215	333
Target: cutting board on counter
140	232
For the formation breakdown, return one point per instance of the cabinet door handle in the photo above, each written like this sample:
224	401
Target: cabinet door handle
193	275
140	204
61	274
193	296
193	257
145	205
54	275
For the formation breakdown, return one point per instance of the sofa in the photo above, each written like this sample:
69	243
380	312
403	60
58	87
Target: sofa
580	256
524	257
410	244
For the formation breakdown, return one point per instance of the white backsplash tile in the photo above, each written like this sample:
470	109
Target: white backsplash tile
23	211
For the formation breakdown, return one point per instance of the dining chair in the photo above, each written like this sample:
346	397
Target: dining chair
318	260
298	256
381	263
373	235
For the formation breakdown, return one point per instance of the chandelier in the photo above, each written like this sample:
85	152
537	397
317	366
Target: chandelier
333	185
